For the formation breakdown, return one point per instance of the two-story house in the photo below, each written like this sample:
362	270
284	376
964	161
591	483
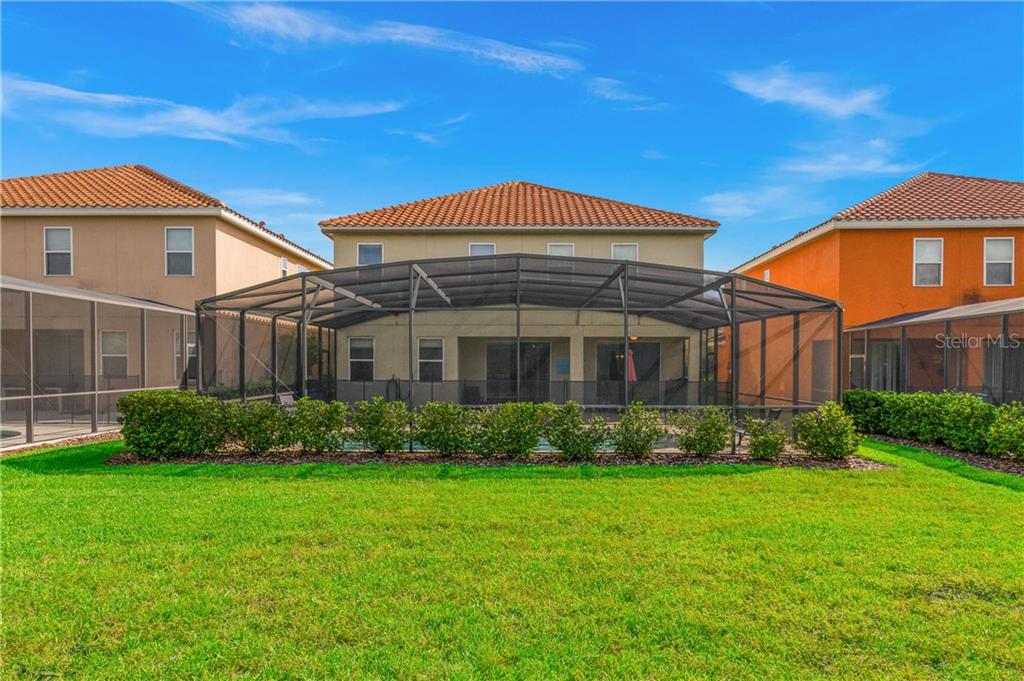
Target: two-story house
919	269
556	347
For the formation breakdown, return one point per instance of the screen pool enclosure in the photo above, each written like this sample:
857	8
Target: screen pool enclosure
520	327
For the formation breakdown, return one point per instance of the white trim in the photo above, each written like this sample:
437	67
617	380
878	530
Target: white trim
572	247
767	275
469	248
627	243
284	266
420	360
369	243
191	251
70	251
941	263
222	213
372	361
1011	262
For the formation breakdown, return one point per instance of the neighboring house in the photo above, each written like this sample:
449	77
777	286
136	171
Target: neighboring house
76	247
938	244
932	242
131	231
476	348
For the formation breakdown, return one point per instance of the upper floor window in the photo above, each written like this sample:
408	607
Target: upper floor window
369	254
927	262
767	275
431	357
178	251
481	249
284	267
999	261
625	252
57	251
563	250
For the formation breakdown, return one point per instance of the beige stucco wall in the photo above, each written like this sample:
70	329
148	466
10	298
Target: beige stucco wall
674	248
125	255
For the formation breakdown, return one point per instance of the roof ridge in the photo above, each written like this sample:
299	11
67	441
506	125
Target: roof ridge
973	177
877	197
523	183
69	172
178	185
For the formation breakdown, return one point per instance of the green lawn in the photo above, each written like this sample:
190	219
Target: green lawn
434	571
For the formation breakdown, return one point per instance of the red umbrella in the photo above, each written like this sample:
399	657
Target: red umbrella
630	367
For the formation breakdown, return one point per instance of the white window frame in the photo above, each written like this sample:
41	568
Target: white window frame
71	251
191	350
284	266
941	263
373	361
985	262
191	252
767	275
494	248
420	360
104	355
369	243
627	243
572	248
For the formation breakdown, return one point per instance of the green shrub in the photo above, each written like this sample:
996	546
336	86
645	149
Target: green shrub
703	431
965	422
319	426
866	407
163	424
258	426
765	439
381	425
1006	432
827	432
912	416
512	429
444	427
578	440
637	431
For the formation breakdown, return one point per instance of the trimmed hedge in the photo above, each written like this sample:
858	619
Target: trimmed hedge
162	424
765	439
703	431
578	440
958	420
827	432
511	429
637	431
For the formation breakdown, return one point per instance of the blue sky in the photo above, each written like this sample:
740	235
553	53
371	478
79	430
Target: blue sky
767	117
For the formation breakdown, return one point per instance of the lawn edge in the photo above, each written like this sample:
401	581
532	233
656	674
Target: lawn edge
948	464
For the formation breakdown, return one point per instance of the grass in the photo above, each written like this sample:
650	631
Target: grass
321	571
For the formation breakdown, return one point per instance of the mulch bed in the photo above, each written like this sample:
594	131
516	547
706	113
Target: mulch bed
64	442
661	457
1009	465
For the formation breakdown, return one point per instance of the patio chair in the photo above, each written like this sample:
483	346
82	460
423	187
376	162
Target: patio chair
739	431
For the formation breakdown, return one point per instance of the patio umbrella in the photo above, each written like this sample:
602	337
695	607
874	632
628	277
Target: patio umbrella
630	367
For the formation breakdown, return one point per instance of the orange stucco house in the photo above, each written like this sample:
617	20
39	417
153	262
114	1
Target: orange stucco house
931	242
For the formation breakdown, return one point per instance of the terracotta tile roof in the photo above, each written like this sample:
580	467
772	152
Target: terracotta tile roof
127	186
518	204
938	196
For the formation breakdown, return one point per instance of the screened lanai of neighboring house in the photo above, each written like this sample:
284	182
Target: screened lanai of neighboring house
488	329
67	355
976	348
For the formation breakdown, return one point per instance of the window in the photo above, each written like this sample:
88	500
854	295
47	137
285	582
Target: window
369	254
114	353
999	261
57	251
284	267
767	275
431	359
564	250
360	359
178	251
481	249
190	348
927	262
625	252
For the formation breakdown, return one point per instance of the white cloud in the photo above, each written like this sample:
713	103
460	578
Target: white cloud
283	25
425	137
810	91
261	197
455	120
613	90
847	159
774	202
654	155
124	116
